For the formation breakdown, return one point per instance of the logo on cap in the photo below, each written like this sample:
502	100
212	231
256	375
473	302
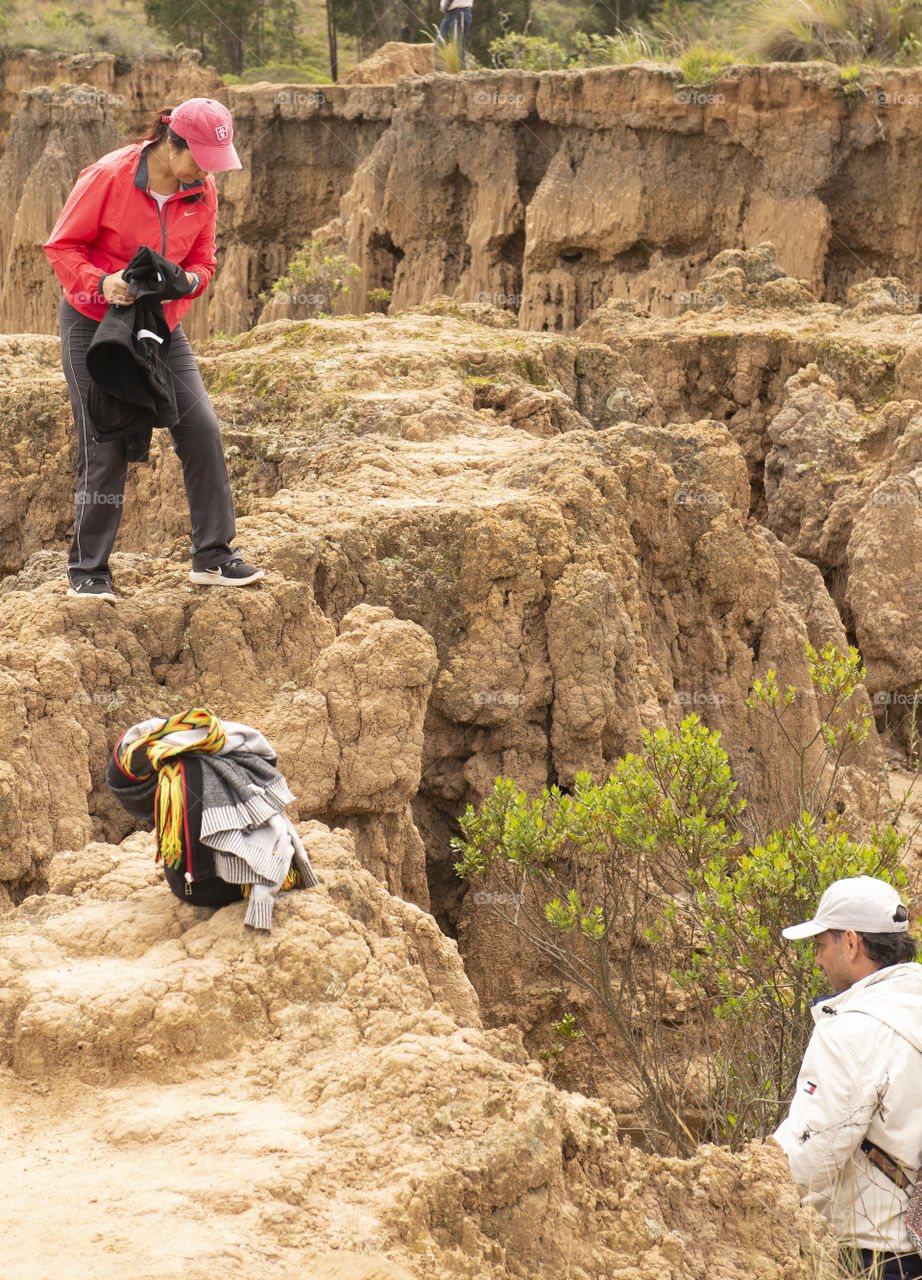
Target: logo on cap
221	132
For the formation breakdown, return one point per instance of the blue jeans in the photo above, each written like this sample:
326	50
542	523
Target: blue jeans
455	26
890	1266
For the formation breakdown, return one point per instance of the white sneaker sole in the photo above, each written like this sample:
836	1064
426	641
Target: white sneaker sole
92	595
204	578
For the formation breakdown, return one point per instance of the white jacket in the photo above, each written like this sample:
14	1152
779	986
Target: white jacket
861	1077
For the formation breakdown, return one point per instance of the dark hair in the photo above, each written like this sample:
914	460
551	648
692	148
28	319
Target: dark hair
886	948
157	128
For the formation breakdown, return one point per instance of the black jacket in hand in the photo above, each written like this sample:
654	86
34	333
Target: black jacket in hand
131	389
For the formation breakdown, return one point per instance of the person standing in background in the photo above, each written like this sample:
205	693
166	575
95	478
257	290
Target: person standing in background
459	14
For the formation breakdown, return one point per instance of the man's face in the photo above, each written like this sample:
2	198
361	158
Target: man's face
832	959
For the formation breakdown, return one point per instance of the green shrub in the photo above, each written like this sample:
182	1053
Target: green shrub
528	53
566	1032
317	282
815	768
282	73
842	31
678	26
380	299
595	50
752	988
663	923
589	877
448	53
702	63
54	28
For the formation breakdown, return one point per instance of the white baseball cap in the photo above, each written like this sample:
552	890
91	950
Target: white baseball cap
861	903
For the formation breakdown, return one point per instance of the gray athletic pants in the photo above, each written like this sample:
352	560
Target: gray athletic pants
101	468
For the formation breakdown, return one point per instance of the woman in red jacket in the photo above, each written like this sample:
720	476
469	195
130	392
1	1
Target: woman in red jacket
156	192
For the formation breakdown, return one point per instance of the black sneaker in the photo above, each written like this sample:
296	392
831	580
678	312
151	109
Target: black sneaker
235	573
99	587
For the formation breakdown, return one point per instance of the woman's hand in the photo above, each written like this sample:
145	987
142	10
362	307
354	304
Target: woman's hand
115	290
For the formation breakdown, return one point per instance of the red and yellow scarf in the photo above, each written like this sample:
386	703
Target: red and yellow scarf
168	801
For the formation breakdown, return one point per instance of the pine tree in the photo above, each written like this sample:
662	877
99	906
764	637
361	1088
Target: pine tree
238	34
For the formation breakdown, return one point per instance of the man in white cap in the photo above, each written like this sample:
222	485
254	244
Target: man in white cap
853	1134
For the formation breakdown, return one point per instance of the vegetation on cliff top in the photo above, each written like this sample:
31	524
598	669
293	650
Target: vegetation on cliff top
52	27
703	37
283	40
308	40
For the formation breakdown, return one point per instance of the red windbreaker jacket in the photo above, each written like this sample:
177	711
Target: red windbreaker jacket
110	214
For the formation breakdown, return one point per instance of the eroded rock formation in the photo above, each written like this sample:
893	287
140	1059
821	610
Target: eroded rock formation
393	60
560	190
488	552
154	81
582	573
320	1101
546	194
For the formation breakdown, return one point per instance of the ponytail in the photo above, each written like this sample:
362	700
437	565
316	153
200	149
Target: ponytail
158	126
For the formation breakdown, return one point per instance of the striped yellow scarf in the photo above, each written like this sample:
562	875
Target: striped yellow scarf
168	801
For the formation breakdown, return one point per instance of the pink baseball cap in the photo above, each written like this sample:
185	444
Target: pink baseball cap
207	127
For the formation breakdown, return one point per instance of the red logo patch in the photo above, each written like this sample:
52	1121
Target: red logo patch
810	1087
221	132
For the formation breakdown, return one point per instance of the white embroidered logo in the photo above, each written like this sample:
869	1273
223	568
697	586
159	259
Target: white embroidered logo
221	132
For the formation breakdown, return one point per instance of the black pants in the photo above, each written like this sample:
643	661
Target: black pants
890	1266
101	468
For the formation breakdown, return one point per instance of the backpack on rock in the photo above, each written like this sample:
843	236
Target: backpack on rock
216	800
